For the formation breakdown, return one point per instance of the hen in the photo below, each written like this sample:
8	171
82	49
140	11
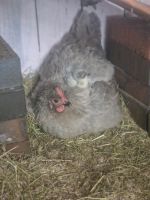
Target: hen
75	92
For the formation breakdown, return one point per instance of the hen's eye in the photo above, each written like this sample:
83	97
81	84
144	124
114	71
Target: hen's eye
55	100
81	75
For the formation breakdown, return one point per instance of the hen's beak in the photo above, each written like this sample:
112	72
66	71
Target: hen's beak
67	103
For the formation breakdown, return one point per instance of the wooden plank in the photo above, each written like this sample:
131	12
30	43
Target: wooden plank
138	111
137	66
148	121
133	33
132	86
12	131
13	134
55	19
19	147
137	7
30	55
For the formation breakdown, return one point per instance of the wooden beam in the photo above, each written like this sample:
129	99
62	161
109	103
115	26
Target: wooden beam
135	6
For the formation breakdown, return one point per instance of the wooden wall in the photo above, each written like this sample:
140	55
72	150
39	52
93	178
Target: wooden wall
18	25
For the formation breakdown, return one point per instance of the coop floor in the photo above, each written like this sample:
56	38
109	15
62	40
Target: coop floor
114	165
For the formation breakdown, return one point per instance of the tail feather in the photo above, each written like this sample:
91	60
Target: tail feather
86	28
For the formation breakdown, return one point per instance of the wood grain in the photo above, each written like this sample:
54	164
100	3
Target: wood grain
132	86
135	65
138	111
132	32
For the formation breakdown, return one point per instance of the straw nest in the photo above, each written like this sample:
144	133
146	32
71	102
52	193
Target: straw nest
114	165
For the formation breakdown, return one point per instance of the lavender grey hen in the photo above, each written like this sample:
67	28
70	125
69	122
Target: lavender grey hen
76	92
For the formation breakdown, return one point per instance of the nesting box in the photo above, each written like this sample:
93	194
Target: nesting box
128	48
12	98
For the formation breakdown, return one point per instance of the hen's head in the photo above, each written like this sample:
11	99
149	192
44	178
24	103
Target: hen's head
58	100
71	93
